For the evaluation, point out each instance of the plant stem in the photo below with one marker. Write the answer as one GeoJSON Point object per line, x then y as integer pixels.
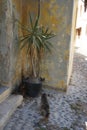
{"type": "Point", "coordinates": [38, 8]}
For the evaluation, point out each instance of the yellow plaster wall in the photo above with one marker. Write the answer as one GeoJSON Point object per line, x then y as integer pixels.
{"type": "Point", "coordinates": [57, 15]}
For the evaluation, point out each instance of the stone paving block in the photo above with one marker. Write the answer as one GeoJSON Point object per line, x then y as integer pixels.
{"type": "Point", "coordinates": [4, 93]}
{"type": "Point", "coordinates": [8, 107]}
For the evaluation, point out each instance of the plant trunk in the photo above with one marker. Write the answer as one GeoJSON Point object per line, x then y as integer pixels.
{"type": "Point", "coordinates": [34, 68]}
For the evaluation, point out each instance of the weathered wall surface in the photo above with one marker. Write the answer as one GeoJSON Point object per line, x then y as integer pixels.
{"type": "Point", "coordinates": [6, 37]}
{"type": "Point", "coordinates": [55, 14]}
{"type": "Point", "coordinates": [59, 18]}
{"type": "Point", "coordinates": [10, 67]}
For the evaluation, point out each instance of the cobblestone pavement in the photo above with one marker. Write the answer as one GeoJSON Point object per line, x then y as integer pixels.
{"type": "Point", "coordinates": [68, 111]}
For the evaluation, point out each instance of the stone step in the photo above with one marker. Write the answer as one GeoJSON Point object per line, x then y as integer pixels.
{"type": "Point", "coordinates": [4, 93]}
{"type": "Point", "coordinates": [8, 107]}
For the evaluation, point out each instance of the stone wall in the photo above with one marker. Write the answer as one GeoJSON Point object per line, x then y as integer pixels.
{"type": "Point", "coordinates": [55, 14]}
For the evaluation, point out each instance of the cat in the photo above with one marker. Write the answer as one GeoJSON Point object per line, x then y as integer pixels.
{"type": "Point", "coordinates": [44, 106]}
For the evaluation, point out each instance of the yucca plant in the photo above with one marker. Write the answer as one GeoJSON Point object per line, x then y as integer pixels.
{"type": "Point", "coordinates": [36, 41]}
